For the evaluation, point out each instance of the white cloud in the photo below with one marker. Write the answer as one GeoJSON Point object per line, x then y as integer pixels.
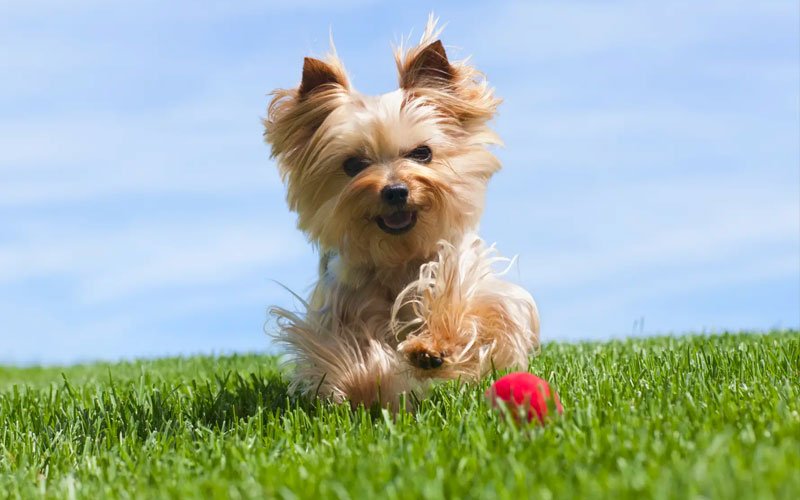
{"type": "Point", "coordinates": [207, 144]}
{"type": "Point", "coordinates": [585, 315]}
{"type": "Point", "coordinates": [225, 255]}
{"type": "Point", "coordinates": [181, 9]}
{"type": "Point", "coordinates": [117, 263]}
{"type": "Point", "coordinates": [647, 225]}
{"type": "Point", "coordinates": [537, 31]}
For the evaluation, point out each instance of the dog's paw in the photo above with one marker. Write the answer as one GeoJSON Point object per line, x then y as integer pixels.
{"type": "Point", "coordinates": [425, 360]}
{"type": "Point", "coordinates": [423, 354]}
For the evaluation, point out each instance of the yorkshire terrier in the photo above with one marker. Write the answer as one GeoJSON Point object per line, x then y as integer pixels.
{"type": "Point", "coordinates": [390, 189]}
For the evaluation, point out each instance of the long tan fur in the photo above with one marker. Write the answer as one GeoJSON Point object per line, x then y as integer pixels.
{"type": "Point", "coordinates": [394, 310]}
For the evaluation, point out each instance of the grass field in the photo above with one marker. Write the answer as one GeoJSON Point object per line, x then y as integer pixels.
{"type": "Point", "coordinates": [678, 417]}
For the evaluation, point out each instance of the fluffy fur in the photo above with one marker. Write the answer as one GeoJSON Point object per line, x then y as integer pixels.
{"type": "Point", "coordinates": [407, 292]}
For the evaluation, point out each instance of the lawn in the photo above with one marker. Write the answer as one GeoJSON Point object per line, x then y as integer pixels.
{"type": "Point", "coordinates": [691, 416]}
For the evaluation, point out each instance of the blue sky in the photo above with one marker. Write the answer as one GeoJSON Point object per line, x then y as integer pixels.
{"type": "Point", "coordinates": [651, 167]}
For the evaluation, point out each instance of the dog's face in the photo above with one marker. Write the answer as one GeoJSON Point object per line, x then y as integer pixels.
{"type": "Point", "coordinates": [381, 179]}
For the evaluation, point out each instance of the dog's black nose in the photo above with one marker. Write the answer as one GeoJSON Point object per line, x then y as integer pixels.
{"type": "Point", "coordinates": [395, 194]}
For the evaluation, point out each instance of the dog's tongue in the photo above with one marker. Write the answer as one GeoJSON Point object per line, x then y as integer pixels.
{"type": "Point", "coordinates": [397, 220]}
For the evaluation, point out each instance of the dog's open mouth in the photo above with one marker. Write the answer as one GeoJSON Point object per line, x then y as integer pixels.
{"type": "Point", "coordinates": [397, 222]}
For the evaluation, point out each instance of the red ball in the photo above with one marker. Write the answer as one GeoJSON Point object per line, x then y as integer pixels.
{"type": "Point", "coordinates": [520, 390]}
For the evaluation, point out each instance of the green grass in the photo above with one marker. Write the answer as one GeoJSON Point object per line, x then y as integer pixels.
{"type": "Point", "coordinates": [679, 417]}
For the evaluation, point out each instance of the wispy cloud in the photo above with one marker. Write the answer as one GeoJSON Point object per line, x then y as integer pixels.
{"type": "Point", "coordinates": [114, 263]}
{"type": "Point", "coordinates": [593, 261]}
{"type": "Point", "coordinates": [556, 30]}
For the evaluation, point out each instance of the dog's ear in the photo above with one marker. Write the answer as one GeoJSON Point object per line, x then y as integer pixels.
{"type": "Point", "coordinates": [456, 88]}
{"type": "Point", "coordinates": [319, 75]}
{"type": "Point", "coordinates": [426, 66]}
{"type": "Point", "coordinates": [295, 114]}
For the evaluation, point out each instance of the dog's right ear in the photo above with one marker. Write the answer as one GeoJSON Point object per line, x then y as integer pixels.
{"type": "Point", "coordinates": [319, 75]}
{"type": "Point", "coordinates": [294, 115]}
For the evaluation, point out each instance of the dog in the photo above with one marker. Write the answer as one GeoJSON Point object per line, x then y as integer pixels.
{"type": "Point", "coordinates": [390, 190]}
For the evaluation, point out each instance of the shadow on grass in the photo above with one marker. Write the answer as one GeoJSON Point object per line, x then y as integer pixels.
{"type": "Point", "coordinates": [233, 397]}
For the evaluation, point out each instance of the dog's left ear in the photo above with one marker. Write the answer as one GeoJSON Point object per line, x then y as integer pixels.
{"type": "Point", "coordinates": [457, 89]}
{"type": "Point", "coordinates": [426, 67]}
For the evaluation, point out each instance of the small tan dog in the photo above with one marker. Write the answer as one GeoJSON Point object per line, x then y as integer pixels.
{"type": "Point", "coordinates": [390, 189]}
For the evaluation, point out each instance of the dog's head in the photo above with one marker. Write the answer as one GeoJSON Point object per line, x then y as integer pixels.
{"type": "Point", "coordinates": [380, 179]}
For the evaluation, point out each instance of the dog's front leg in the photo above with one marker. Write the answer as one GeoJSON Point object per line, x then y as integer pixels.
{"type": "Point", "coordinates": [460, 318]}
{"type": "Point", "coordinates": [341, 348]}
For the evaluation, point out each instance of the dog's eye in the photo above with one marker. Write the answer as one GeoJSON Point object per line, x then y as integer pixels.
{"type": "Point", "coordinates": [353, 165]}
{"type": "Point", "coordinates": [421, 154]}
